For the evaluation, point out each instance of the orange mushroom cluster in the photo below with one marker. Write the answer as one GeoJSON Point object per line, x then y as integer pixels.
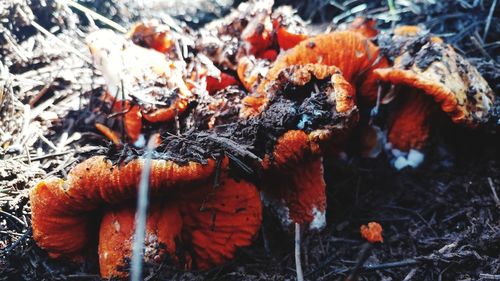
{"type": "Point", "coordinates": [314, 105]}
{"type": "Point", "coordinates": [211, 222]}
{"type": "Point", "coordinates": [430, 78]}
{"type": "Point", "coordinates": [355, 56]}
{"type": "Point", "coordinates": [276, 99]}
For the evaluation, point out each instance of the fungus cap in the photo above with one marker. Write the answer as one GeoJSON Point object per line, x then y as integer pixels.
{"type": "Point", "coordinates": [339, 92]}
{"type": "Point", "coordinates": [352, 53]}
{"type": "Point", "coordinates": [211, 220]}
{"type": "Point", "coordinates": [320, 105]}
{"type": "Point", "coordinates": [201, 227]}
{"type": "Point", "coordinates": [447, 77]}
{"type": "Point", "coordinates": [62, 210]}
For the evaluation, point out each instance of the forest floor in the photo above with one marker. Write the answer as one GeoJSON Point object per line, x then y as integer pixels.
{"type": "Point", "coordinates": [441, 221]}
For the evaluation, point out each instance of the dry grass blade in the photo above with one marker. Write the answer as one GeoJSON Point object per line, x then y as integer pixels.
{"type": "Point", "coordinates": [95, 15]}
{"type": "Point", "coordinates": [494, 192]}
{"type": "Point", "coordinates": [4, 83]}
{"type": "Point", "coordinates": [488, 20]}
{"type": "Point", "coordinates": [63, 44]}
{"type": "Point", "coordinates": [140, 217]}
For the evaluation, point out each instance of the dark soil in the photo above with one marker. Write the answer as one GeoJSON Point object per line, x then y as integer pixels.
{"type": "Point", "coordinates": [441, 221]}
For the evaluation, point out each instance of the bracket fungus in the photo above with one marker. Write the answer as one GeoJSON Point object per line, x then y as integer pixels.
{"type": "Point", "coordinates": [431, 77]}
{"type": "Point", "coordinates": [211, 222]}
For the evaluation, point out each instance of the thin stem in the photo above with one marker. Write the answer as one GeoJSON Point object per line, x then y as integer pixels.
{"type": "Point", "coordinates": [298, 265]}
